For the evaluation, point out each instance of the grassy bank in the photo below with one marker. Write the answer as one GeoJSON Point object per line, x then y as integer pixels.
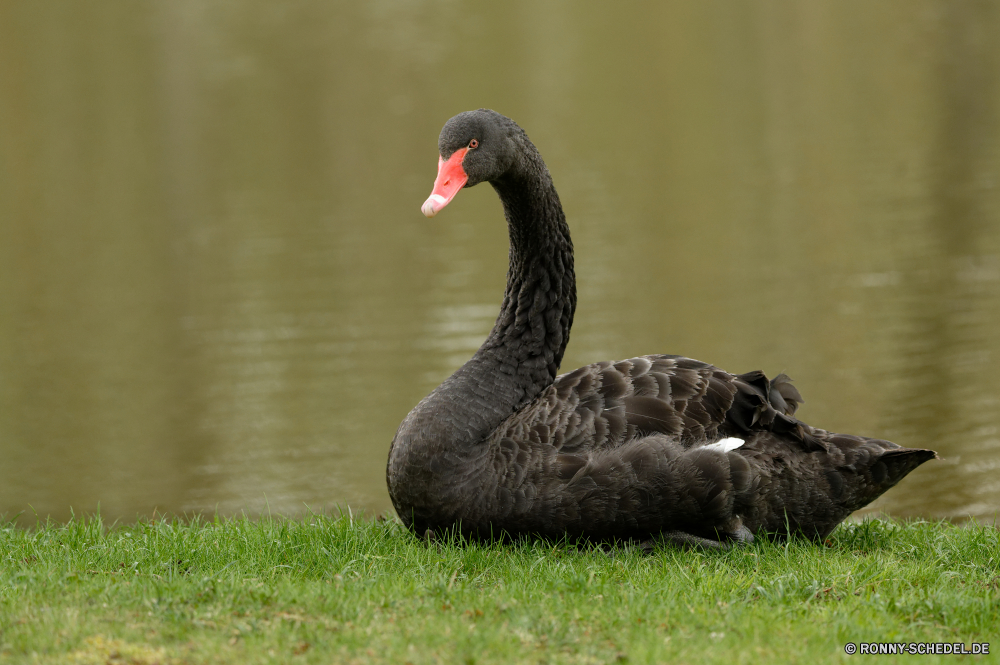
{"type": "Point", "coordinates": [331, 589]}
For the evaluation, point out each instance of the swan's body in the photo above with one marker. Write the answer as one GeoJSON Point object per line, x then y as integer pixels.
{"type": "Point", "coordinates": [656, 445]}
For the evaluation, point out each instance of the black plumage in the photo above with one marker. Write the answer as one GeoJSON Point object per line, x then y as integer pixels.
{"type": "Point", "coordinates": [613, 450]}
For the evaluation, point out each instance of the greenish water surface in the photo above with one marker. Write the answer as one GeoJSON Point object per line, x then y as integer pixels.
{"type": "Point", "coordinates": [217, 291]}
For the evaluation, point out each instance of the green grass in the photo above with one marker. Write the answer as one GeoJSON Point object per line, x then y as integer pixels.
{"type": "Point", "coordinates": [331, 589]}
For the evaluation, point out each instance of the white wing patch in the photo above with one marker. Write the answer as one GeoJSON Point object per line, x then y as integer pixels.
{"type": "Point", "coordinates": [725, 445]}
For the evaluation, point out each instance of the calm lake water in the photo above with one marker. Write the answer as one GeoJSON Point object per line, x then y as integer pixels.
{"type": "Point", "coordinates": [217, 291]}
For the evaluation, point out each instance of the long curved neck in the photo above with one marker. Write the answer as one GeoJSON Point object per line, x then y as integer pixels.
{"type": "Point", "coordinates": [532, 330]}
{"type": "Point", "coordinates": [521, 356]}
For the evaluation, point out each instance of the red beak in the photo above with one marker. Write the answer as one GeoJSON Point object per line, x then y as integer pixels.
{"type": "Point", "coordinates": [451, 178]}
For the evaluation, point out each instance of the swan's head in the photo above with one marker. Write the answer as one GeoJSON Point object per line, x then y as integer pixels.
{"type": "Point", "coordinates": [475, 147]}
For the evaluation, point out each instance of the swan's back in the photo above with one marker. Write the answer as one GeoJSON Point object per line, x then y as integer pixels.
{"type": "Point", "coordinates": [629, 449]}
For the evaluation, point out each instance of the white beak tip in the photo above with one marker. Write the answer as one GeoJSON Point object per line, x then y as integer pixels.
{"type": "Point", "coordinates": [433, 205]}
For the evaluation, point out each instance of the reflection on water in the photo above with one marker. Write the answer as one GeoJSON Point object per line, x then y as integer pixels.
{"type": "Point", "coordinates": [217, 290]}
{"type": "Point", "coordinates": [454, 334]}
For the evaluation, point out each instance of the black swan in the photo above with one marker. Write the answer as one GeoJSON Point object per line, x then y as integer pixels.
{"type": "Point", "coordinates": [659, 446]}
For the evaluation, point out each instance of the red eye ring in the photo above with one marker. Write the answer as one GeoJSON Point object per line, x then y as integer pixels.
{"type": "Point", "coordinates": [473, 144]}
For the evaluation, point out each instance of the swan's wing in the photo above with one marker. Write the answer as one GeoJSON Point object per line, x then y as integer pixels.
{"type": "Point", "coordinates": [604, 405]}
{"type": "Point", "coordinates": [662, 442]}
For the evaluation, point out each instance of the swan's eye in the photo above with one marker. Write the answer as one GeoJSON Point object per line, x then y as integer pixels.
{"type": "Point", "coordinates": [473, 144]}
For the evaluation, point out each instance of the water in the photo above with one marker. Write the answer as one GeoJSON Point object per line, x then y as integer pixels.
{"type": "Point", "coordinates": [217, 291]}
